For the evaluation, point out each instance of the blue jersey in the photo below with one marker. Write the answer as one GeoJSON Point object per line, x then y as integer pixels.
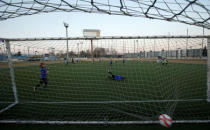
{"type": "Point", "coordinates": [110, 62]}
{"type": "Point", "coordinates": [43, 73]}
{"type": "Point", "coordinates": [123, 60]}
{"type": "Point", "coordinates": [117, 77]}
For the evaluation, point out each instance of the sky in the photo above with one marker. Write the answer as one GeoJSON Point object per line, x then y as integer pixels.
{"type": "Point", "coordinates": [51, 25]}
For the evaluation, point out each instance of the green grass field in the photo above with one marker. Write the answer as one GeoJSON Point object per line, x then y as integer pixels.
{"type": "Point", "coordinates": [82, 91]}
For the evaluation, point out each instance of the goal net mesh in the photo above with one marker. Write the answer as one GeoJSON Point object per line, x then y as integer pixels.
{"type": "Point", "coordinates": [193, 12]}
{"type": "Point", "coordinates": [83, 90]}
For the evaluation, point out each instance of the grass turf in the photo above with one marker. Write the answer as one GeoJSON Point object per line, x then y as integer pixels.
{"type": "Point", "coordinates": [88, 82]}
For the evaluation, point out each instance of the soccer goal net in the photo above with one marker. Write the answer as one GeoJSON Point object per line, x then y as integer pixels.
{"type": "Point", "coordinates": [192, 12]}
{"type": "Point", "coordinates": [104, 80]}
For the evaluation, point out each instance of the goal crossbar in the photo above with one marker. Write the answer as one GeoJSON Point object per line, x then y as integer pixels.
{"type": "Point", "coordinates": [110, 102]}
{"type": "Point", "coordinates": [105, 37]}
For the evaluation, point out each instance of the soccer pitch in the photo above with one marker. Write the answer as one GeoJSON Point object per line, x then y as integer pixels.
{"type": "Point", "coordinates": [82, 92]}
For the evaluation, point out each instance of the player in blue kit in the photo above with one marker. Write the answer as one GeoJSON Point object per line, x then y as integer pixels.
{"type": "Point", "coordinates": [110, 63]}
{"type": "Point", "coordinates": [43, 80]}
{"type": "Point", "coordinates": [123, 61]}
{"type": "Point", "coordinates": [115, 77]}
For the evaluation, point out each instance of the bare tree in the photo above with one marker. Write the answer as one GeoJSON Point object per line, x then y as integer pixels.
{"type": "Point", "coordinates": [18, 54]}
{"type": "Point", "coordinates": [99, 52]}
{"type": "Point", "coordinates": [61, 54]}
{"type": "Point", "coordinates": [72, 54]}
{"type": "Point", "coordinates": [204, 52]}
{"type": "Point", "coordinates": [52, 51]}
{"type": "Point", "coordinates": [85, 53]}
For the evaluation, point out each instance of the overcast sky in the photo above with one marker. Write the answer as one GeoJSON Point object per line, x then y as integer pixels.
{"type": "Point", "coordinates": [51, 25]}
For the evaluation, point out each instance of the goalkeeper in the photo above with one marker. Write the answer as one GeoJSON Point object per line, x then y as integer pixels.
{"type": "Point", "coordinates": [164, 61]}
{"type": "Point", "coordinates": [115, 77]}
{"type": "Point", "coordinates": [43, 80]}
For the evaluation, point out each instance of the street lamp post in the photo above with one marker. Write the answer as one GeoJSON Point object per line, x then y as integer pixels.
{"type": "Point", "coordinates": [187, 44]}
{"type": "Point", "coordinates": [154, 47]}
{"type": "Point", "coordinates": [78, 51]}
{"type": "Point", "coordinates": [123, 49]}
{"type": "Point", "coordinates": [201, 50]}
{"type": "Point", "coordinates": [144, 49]}
{"type": "Point", "coordinates": [24, 51]}
{"type": "Point", "coordinates": [134, 48]}
{"type": "Point", "coordinates": [67, 45]}
{"type": "Point", "coordinates": [138, 50]}
{"type": "Point", "coordinates": [78, 54]}
{"type": "Point", "coordinates": [168, 46]}
{"type": "Point", "coordinates": [28, 51]}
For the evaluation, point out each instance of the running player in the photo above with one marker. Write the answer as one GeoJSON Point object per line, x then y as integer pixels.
{"type": "Point", "coordinates": [43, 79]}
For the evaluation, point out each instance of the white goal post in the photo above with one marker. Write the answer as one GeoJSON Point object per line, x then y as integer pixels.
{"type": "Point", "coordinates": [208, 68]}
{"type": "Point", "coordinates": [12, 77]}
{"type": "Point", "coordinates": [81, 93]}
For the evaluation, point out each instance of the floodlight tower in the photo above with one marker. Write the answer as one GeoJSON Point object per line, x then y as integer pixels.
{"type": "Point", "coordinates": [187, 45]}
{"type": "Point", "coordinates": [67, 45]}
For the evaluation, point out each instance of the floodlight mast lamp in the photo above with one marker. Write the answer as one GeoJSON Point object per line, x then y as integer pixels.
{"type": "Point", "coordinates": [67, 44]}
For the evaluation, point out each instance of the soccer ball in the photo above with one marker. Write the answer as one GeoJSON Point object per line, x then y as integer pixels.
{"type": "Point", "coordinates": [165, 120]}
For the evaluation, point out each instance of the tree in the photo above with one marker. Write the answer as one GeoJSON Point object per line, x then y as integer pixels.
{"type": "Point", "coordinates": [85, 53]}
{"type": "Point", "coordinates": [114, 52]}
{"type": "Point", "coordinates": [99, 52]}
{"type": "Point", "coordinates": [61, 54]}
{"type": "Point", "coordinates": [88, 54]}
{"type": "Point", "coordinates": [204, 52]}
{"type": "Point", "coordinates": [52, 51]}
{"type": "Point", "coordinates": [82, 54]}
{"type": "Point", "coordinates": [18, 54]}
{"type": "Point", "coordinates": [72, 54]}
